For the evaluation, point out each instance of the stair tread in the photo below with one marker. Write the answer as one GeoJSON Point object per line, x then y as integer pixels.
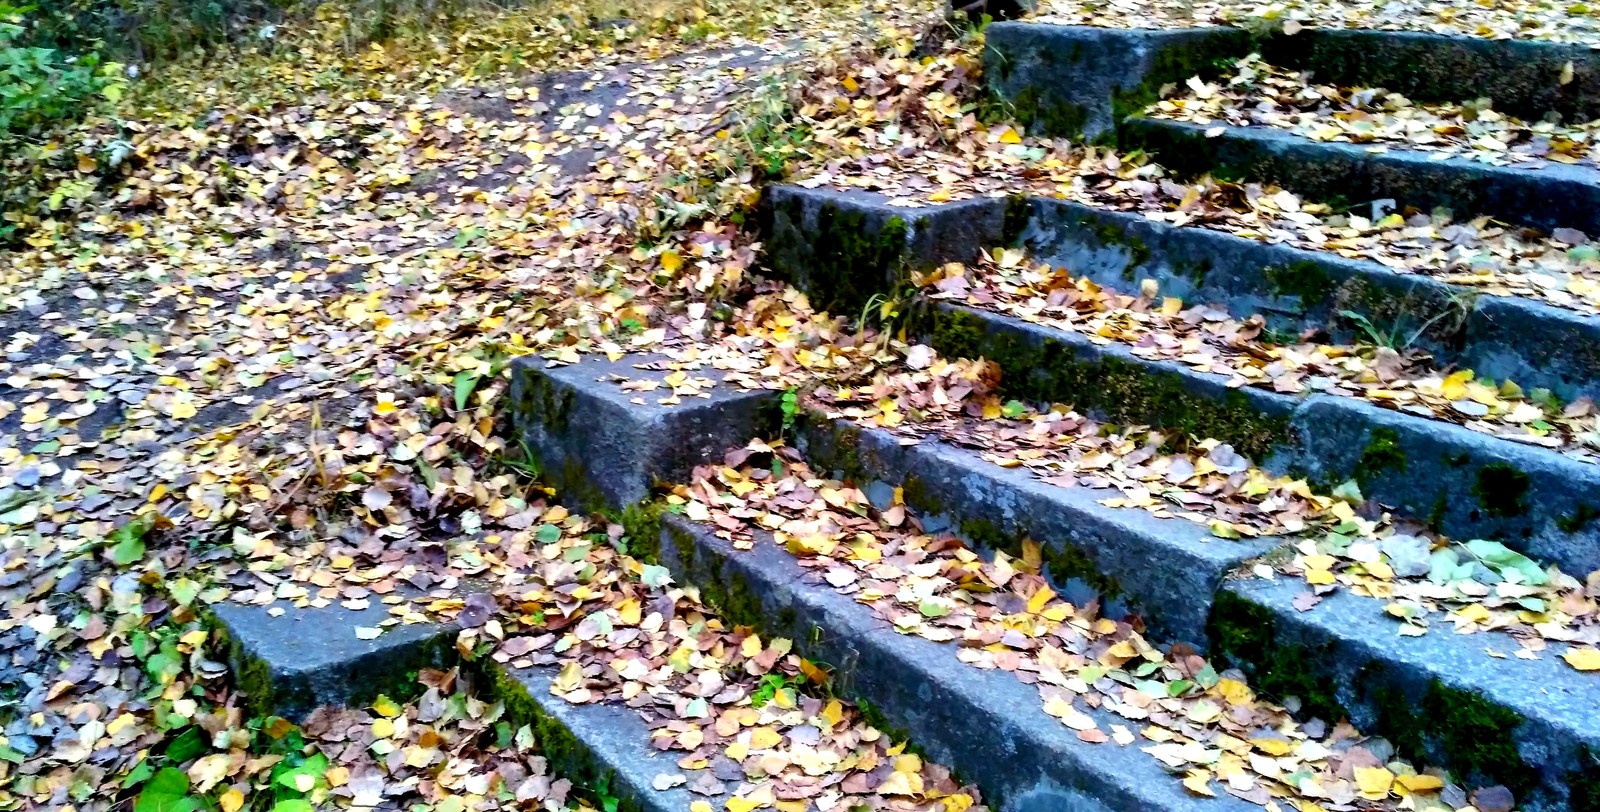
{"type": "Point", "coordinates": [1543, 689]}
{"type": "Point", "coordinates": [1548, 197]}
{"type": "Point", "coordinates": [1038, 761]}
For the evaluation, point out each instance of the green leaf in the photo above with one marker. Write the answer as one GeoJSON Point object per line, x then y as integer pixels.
{"type": "Point", "coordinates": [548, 534]}
{"type": "Point", "coordinates": [464, 384]}
{"type": "Point", "coordinates": [127, 541]}
{"type": "Point", "coordinates": [1014, 409]}
{"type": "Point", "coordinates": [184, 591]}
{"type": "Point", "coordinates": [167, 791]}
{"type": "Point", "coordinates": [189, 744]}
{"type": "Point", "coordinates": [293, 805]}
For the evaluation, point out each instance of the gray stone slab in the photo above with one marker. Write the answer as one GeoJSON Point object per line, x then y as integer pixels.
{"type": "Point", "coordinates": [1080, 81]}
{"type": "Point", "coordinates": [1549, 197]}
{"type": "Point", "coordinates": [1528, 724]}
{"type": "Point", "coordinates": [304, 658]}
{"type": "Point", "coordinates": [1051, 365]}
{"type": "Point", "coordinates": [1504, 338]}
{"type": "Point", "coordinates": [986, 725]}
{"type": "Point", "coordinates": [842, 248]}
{"type": "Point", "coordinates": [599, 744]}
{"type": "Point", "coordinates": [1522, 77]}
{"type": "Point", "coordinates": [603, 447]}
{"type": "Point", "coordinates": [1126, 558]}
{"type": "Point", "coordinates": [1468, 484]}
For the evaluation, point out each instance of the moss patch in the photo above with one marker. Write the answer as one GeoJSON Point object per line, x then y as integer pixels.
{"type": "Point", "coordinates": [854, 256]}
{"type": "Point", "coordinates": [1502, 490]}
{"type": "Point", "coordinates": [1244, 635]}
{"type": "Point", "coordinates": [1383, 455]}
{"type": "Point", "coordinates": [1579, 519]}
{"type": "Point", "coordinates": [1476, 736]}
{"type": "Point", "coordinates": [568, 756]}
{"type": "Point", "coordinates": [1122, 390]}
{"type": "Point", "coordinates": [1308, 281]}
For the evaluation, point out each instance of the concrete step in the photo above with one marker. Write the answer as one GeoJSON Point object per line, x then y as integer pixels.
{"type": "Point", "coordinates": [1466, 483]}
{"type": "Point", "coordinates": [1501, 337]}
{"type": "Point", "coordinates": [1079, 81]}
{"type": "Point", "coordinates": [984, 724]}
{"type": "Point", "coordinates": [1545, 198]}
{"type": "Point", "coordinates": [1342, 658]}
{"type": "Point", "coordinates": [1489, 720]}
{"type": "Point", "coordinates": [305, 657]}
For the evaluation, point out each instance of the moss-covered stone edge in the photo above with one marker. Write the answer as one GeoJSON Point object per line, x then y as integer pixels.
{"type": "Point", "coordinates": [835, 445]}
{"type": "Point", "coordinates": [1474, 738]}
{"type": "Point", "coordinates": [1112, 388]}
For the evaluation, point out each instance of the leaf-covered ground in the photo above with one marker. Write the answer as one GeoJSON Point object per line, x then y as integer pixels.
{"type": "Point", "coordinates": [256, 320]}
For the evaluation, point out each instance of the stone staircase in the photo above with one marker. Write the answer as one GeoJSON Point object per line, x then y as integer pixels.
{"type": "Point", "coordinates": [1454, 702]}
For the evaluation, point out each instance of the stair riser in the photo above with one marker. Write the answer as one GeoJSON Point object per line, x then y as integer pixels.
{"type": "Point", "coordinates": [1077, 81]}
{"type": "Point", "coordinates": [602, 451]}
{"type": "Point", "coordinates": [1499, 337]}
{"type": "Point", "coordinates": [1554, 197]}
{"type": "Point", "coordinates": [1440, 699]}
{"type": "Point", "coordinates": [1503, 338]}
{"type": "Point", "coordinates": [843, 248]}
{"type": "Point", "coordinates": [1522, 77]}
{"type": "Point", "coordinates": [1467, 484]}
{"type": "Point", "coordinates": [1131, 560]}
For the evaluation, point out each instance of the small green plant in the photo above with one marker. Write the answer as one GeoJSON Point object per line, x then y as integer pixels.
{"type": "Point", "coordinates": [41, 86]}
{"type": "Point", "coordinates": [1397, 336]}
{"type": "Point", "coordinates": [790, 404]}
{"type": "Point", "coordinates": [771, 684]}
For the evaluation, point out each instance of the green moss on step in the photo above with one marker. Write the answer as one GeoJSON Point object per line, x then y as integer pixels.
{"type": "Point", "coordinates": [1583, 784]}
{"type": "Point", "coordinates": [642, 525]}
{"type": "Point", "coordinates": [1308, 281]}
{"type": "Point", "coordinates": [1244, 635]}
{"type": "Point", "coordinates": [853, 257]}
{"type": "Point", "coordinates": [1502, 490]}
{"type": "Point", "coordinates": [1117, 389]}
{"type": "Point", "coordinates": [1019, 211]}
{"type": "Point", "coordinates": [1047, 116]}
{"type": "Point", "coordinates": [1383, 455]}
{"type": "Point", "coordinates": [568, 756]}
{"type": "Point", "coordinates": [1579, 519]}
{"type": "Point", "coordinates": [1476, 736]}
{"type": "Point", "coordinates": [729, 592]}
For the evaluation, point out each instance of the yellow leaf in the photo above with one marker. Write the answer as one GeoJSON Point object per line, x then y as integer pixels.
{"type": "Point", "coordinates": [738, 804]}
{"type": "Point", "coordinates": [850, 84]}
{"type": "Point", "coordinates": [1454, 386]}
{"type": "Point", "coordinates": [1374, 782]}
{"type": "Point", "coordinates": [1199, 783]}
{"type": "Point", "coordinates": [764, 738]}
{"type": "Point", "coordinates": [1010, 137]}
{"type": "Point", "coordinates": [1171, 305]}
{"type": "Point", "coordinates": [386, 706]}
{"type": "Point", "coordinates": [1235, 692]}
{"type": "Point", "coordinates": [1272, 746]}
{"type": "Point", "coordinates": [1583, 659]}
{"type": "Point", "coordinates": [382, 728]}
{"type": "Point", "coordinates": [1474, 613]}
{"type": "Point", "coordinates": [1419, 783]}
{"type": "Point", "coordinates": [670, 261]}
{"type": "Point", "coordinates": [232, 800]}
{"type": "Point", "coordinates": [833, 712]}
{"type": "Point", "coordinates": [1040, 598]}
{"type": "Point", "coordinates": [959, 802]}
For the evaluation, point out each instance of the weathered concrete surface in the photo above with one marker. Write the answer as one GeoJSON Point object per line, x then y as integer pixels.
{"type": "Point", "coordinates": [1500, 337]}
{"type": "Point", "coordinates": [1522, 77]}
{"type": "Point", "coordinates": [308, 657]}
{"type": "Point", "coordinates": [844, 247]}
{"type": "Point", "coordinates": [1468, 484]}
{"type": "Point", "coordinates": [986, 725]}
{"type": "Point", "coordinates": [1528, 724]}
{"type": "Point", "coordinates": [594, 745]}
{"type": "Point", "coordinates": [1080, 82]}
{"type": "Point", "coordinates": [603, 447]}
{"type": "Point", "coordinates": [1549, 197]}
{"type": "Point", "coordinates": [1127, 559]}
